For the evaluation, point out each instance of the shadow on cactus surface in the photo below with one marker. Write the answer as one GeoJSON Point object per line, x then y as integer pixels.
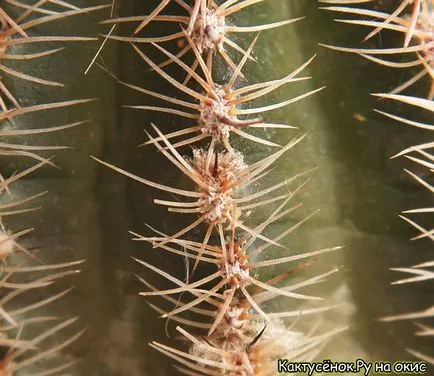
{"type": "Point", "coordinates": [248, 198]}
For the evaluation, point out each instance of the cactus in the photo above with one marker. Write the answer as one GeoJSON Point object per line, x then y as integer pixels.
{"type": "Point", "coordinates": [250, 176]}
{"type": "Point", "coordinates": [34, 338]}
{"type": "Point", "coordinates": [242, 338]}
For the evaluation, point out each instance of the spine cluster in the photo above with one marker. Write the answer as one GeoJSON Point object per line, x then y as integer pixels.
{"type": "Point", "coordinates": [224, 316]}
{"type": "Point", "coordinates": [413, 22]}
